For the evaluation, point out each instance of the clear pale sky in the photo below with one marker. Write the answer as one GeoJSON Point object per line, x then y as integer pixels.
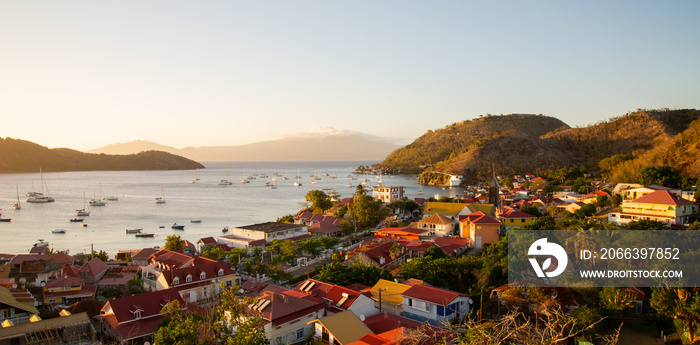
{"type": "Point", "coordinates": [84, 74]}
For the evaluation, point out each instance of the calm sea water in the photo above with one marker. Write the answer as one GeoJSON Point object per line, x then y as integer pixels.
{"type": "Point", "coordinates": [217, 206]}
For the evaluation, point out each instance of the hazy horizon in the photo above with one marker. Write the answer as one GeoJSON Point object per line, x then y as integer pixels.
{"type": "Point", "coordinates": [86, 74]}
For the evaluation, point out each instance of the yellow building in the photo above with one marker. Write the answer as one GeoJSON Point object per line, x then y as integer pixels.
{"type": "Point", "coordinates": [515, 218]}
{"type": "Point", "coordinates": [67, 290]}
{"type": "Point", "coordinates": [660, 206]}
{"type": "Point", "coordinates": [389, 293]}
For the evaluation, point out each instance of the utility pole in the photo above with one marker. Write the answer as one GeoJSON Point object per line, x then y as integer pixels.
{"type": "Point", "coordinates": [481, 303]}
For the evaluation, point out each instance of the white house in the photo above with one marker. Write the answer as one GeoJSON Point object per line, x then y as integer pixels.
{"type": "Point", "coordinates": [430, 304]}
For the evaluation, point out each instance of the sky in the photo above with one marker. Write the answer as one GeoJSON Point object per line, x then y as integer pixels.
{"type": "Point", "coordinates": [83, 74]}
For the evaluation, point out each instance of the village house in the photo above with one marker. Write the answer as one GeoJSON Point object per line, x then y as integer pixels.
{"type": "Point", "coordinates": [328, 227]}
{"type": "Point", "coordinates": [338, 298]}
{"type": "Point", "coordinates": [436, 306]}
{"type": "Point", "coordinates": [480, 229]}
{"type": "Point", "coordinates": [387, 194]}
{"type": "Point", "coordinates": [286, 314]}
{"type": "Point", "coordinates": [452, 246]}
{"type": "Point", "coordinates": [67, 290]}
{"type": "Point", "coordinates": [262, 234]}
{"type": "Point", "coordinates": [659, 205]}
{"type": "Point", "coordinates": [391, 329]}
{"type": "Point", "coordinates": [405, 233]}
{"type": "Point", "coordinates": [377, 253]}
{"type": "Point", "coordinates": [93, 271]}
{"type": "Point", "coordinates": [514, 219]}
{"type": "Point", "coordinates": [388, 296]}
{"type": "Point", "coordinates": [199, 284]}
{"type": "Point", "coordinates": [342, 328]}
{"type": "Point", "coordinates": [636, 193]}
{"type": "Point", "coordinates": [136, 318]}
{"type": "Point", "coordinates": [437, 225]}
{"type": "Point", "coordinates": [67, 329]}
{"type": "Point", "coordinates": [16, 306]}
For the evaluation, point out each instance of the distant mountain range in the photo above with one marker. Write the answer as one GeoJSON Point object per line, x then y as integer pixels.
{"type": "Point", "coordinates": [332, 145]}
{"type": "Point", "coordinates": [26, 156]}
{"type": "Point", "coordinates": [519, 143]}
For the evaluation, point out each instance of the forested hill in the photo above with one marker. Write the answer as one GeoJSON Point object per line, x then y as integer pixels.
{"type": "Point", "coordinates": [24, 156]}
{"type": "Point", "coordinates": [445, 146]}
{"type": "Point", "coordinates": [618, 147]}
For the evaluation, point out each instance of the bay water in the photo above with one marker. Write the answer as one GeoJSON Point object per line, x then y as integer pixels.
{"type": "Point", "coordinates": [215, 205]}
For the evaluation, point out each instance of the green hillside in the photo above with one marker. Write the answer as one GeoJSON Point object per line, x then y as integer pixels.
{"type": "Point", "coordinates": [25, 156]}
{"type": "Point", "coordinates": [461, 138]}
{"type": "Point", "coordinates": [516, 144]}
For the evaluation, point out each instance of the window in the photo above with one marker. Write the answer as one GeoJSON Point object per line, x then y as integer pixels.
{"type": "Point", "coordinates": [410, 302]}
{"type": "Point", "coordinates": [203, 276]}
{"type": "Point", "coordinates": [137, 314]}
{"type": "Point", "coordinates": [300, 333]}
{"type": "Point", "coordinates": [295, 321]}
{"type": "Point", "coordinates": [176, 281]}
{"type": "Point", "coordinates": [221, 271]}
{"type": "Point", "coordinates": [188, 278]}
{"type": "Point", "coordinates": [427, 307]}
{"type": "Point", "coordinates": [310, 315]}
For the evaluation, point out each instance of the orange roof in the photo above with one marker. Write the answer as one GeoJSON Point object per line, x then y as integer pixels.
{"type": "Point", "coordinates": [661, 197]}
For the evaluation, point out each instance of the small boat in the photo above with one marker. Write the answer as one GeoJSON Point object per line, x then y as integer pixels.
{"type": "Point", "coordinates": [195, 220]}
{"type": "Point", "coordinates": [17, 205]}
{"type": "Point", "coordinates": [225, 229]}
{"type": "Point", "coordinates": [84, 225]}
{"type": "Point", "coordinates": [134, 230]}
{"type": "Point", "coordinates": [83, 212]}
{"type": "Point", "coordinates": [161, 227]}
{"type": "Point", "coordinates": [161, 198]}
{"type": "Point", "coordinates": [76, 220]}
{"type": "Point", "coordinates": [41, 243]}
{"type": "Point", "coordinates": [145, 234]}
{"type": "Point", "coordinates": [59, 231]}
{"type": "Point", "coordinates": [225, 182]}
{"type": "Point", "coordinates": [272, 186]}
{"type": "Point", "coordinates": [297, 184]}
{"type": "Point", "coordinates": [40, 198]}
{"type": "Point", "coordinates": [95, 202]}
{"type": "Point", "coordinates": [178, 227]}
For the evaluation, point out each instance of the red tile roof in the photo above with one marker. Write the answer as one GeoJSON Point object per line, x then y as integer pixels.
{"type": "Point", "coordinates": [207, 240]}
{"type": "Point", "coordinates": [432, 294]}
{"type": "Point", "coordinates": [143, 254]}
{"type": "Point", "coordinates": [150, 303]}
{"type": "Point", "coordinates": [479, 218]}
{"type": "Point", "coordinates": [94, 268]}
{"type": "Point", "coordinates": [401, 231]}
{"type": "Point", "coordinates": [662, 197]}
{"type": "Point", "coordinates": [517, 215]}
{"type": "Point", "coordinates": [384, 323]}
{"type": "Point", "coordinates": [211, 270]}
{"type": "Point", "coordinates": [325, 227]}
{"type": "Point", "coordinates": [64, 282]}
{"type": "Point", "coordinates": [286, 306]}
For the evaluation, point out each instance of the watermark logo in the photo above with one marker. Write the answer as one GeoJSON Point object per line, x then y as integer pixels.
{"type": "Point", "coordinates": [542, 247]}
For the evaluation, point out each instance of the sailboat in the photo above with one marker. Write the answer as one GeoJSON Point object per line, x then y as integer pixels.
{"type": "Point", "coordinates": [17, 205]}
{"type": "Point", "coordinates": [96, 201]}
{"type": "Point", "coordinates": [196, 177]}
{"type": "Point", "coordinates": [83, 212]}
{"type": "Point", "coordinates": [161, 198]}
{"type": "Point", "coordinates": [39, 197]}
{"type": "Point", "coordinates": [420, 191]}
{"type": "Point", "coordinates": [225, 182]}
